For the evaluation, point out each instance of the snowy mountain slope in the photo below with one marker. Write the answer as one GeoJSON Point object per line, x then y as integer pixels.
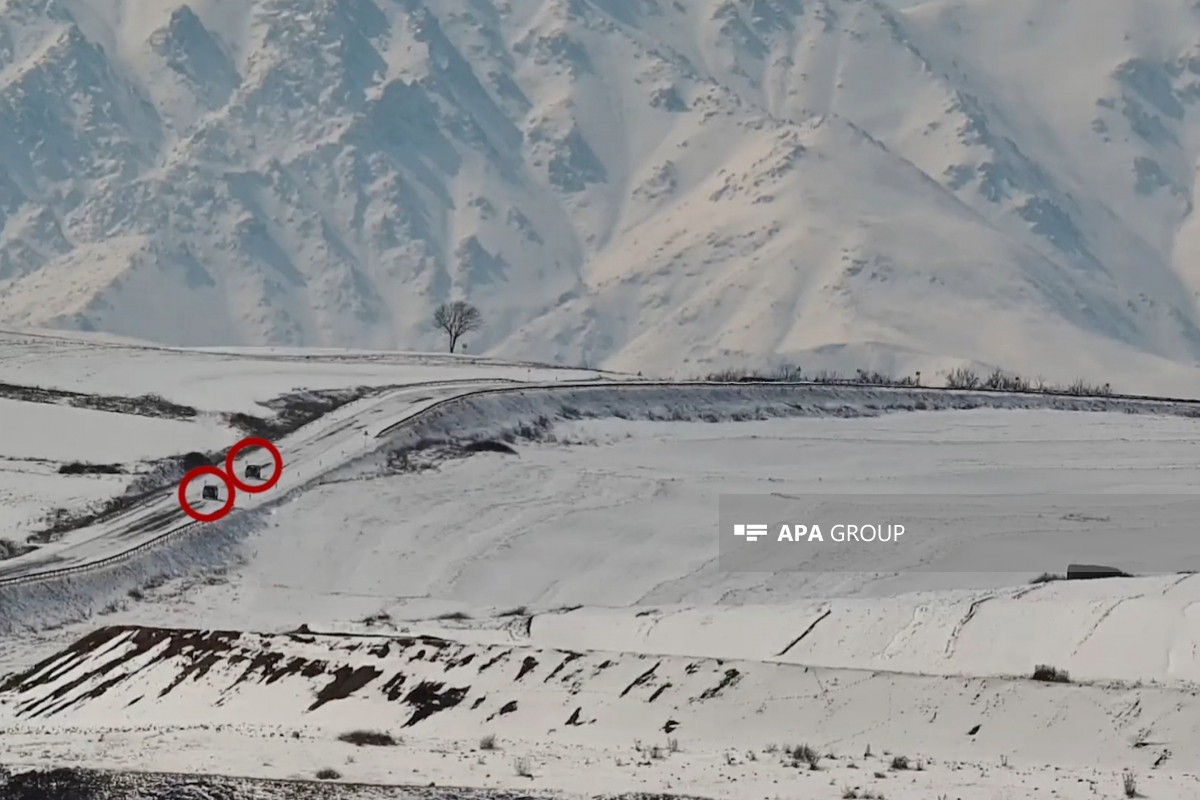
{"type": "Point", "coordinates": [435, 693]}
{"type": "Point", "coordinates": [432, 685]}
{"type": "Point", "coordinates": [647, 184]}
{"type": "Point", "coordinates": [485, 533]}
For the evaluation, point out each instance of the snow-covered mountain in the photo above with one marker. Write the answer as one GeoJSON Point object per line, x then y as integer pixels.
{"type": "Point", "coordinates": [646, 184]}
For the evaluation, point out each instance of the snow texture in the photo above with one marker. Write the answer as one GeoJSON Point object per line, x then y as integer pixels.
{"type": "Point", "coordinates": [644, 184]}
{"type": "Point", "coordinates": [411, 576]}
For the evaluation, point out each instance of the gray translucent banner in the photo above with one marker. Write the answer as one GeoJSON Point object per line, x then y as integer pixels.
{"type": "Point", "coordinates": [1136, 533]}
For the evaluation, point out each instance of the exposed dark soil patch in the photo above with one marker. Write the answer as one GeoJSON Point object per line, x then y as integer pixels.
{"type": "Point", "coordinates": [570, 657]}
{"type": "Point", "coordinates": [369, 739]}
{"type": "Point", "coordinates": [394, 687]}
{"type": "Point", "coordinates": [10, 549]}
{"type": "Point", "coordinates": [84, 468]}
{"type": "Point", "coordinates": [508, 708]}
{"type": "Point", "coordinates": [200, 646]}
{"type": "Point", "coordinates": [496, 659]}
{"type": "Point", "coordinates": [730, 678]}
{"type": "Point", "coordinates": [527, 665]}
{"type": "Point", "coordinates": [292, 411]}
{"type": "Point", "coordinates": [81, 784]}
{"type": "Point", "coordinates": [190, 461]}
{"type": "Point", "coordinates": [430, 697]}
{"type": "Point", "coordinates": [147, 405]}
{"type": "Point", "coordinates": [489, 447]}
{"type": "Point", "coordinates": [346, 681]}
{"type": "Point", "coordinates": [644, 678]}
{"type": "Point", "coordinates": [426, 455]}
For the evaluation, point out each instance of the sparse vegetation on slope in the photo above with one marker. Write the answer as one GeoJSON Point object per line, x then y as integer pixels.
{"type": "Point", "coordinates": [369, 738]}
{"type": "Point", "coordinates": [292, 411]}
{"type": "Point", "coordinates": [1049, 674]}
{"type": "Point", "coordinates": [958, 378]}
{"type": "Point", "coordinates": [73, 783]}
{"type": "Point", "coordinates": [11, 549]}
{"type": "Point", "coordinates": [148, 405]}
{"type": "Point", "coordinates": [82, 468]}
{"type": "Point", "coordinates": [297, 409]}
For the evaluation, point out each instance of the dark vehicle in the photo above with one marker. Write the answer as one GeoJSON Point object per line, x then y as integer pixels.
{"type": "Point", "coordinates": [254, 471]}
{"type": "Point", "coordinates": [210, 493]}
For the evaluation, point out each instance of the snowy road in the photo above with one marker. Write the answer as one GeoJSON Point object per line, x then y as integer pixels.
{"type": "Point", "coordinates": [353, 431]}
{"type": "Point", "coordinates": [334, 439]}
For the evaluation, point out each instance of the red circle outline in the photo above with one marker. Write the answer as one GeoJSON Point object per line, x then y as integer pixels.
{"type": "Point", "coordinates": [193, 513]}
{"type": "Point", "coordinates": [253, 441]}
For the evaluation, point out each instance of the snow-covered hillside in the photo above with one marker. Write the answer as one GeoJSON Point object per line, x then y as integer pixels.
{"type": "Point", "coordinates": [461, 547]}
{"type": "Point", "coordinates": [91, 426]}
{"type": "Point", "coordinates": [588, 720]}
{"type": "Point", "coordinates": [565, 599]}
{"type": "Point", "coordinates": [647, 184]}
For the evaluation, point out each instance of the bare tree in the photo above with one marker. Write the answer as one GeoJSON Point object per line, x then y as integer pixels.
{"type": "Point", "coordinates": [456, 319]}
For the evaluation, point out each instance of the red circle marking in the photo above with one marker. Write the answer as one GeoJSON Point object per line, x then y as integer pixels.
{"type": "Point", "coordinates": [193, 513]}
{"type": "Point", "coordinates": [254, 441]}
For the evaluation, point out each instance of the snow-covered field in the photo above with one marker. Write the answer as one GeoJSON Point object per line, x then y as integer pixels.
{"type": "Point", "coordinates": [623, 513]}
{"type": "Point", "coordinates": [48, 432]}
{"type": "Point", "coordinates": [566, 598]}
{"type": "Point", "coordinates": [237, 379]}
{"type": "Point", "coordinates": [41, 437]}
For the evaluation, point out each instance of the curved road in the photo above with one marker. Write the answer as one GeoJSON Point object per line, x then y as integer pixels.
{"type": "Point", "coordinates": [324, 444]}
{"type": "Point", "coordinates": [353, 431]}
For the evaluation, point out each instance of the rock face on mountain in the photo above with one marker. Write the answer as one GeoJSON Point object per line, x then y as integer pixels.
{"type": "Point", "coordinates": [639, 183]}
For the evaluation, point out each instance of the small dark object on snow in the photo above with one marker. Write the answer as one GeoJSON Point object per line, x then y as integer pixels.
{"type": "Point", "coordinates": [490, 446]}
{"type": "Point", "coordinates": [254, 471]}
{"type": "Point", "coordinates": [210, 493]}
{"type": "Point", "coordinates": [1088, 571]}
{"type": "Point", "coordinates": [193, 460]}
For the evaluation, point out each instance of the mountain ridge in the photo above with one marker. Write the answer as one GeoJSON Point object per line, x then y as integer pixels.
{"type": "Point", "coordinates": [635, 184]}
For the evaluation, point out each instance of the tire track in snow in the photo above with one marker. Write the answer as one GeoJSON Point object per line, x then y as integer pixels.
{"type": "Point", "coordinates": [962, 623]}
{"type": "Point", "coordinates": [1100, 621]}
{"type": "Point", "coordinates": [974, 608]}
